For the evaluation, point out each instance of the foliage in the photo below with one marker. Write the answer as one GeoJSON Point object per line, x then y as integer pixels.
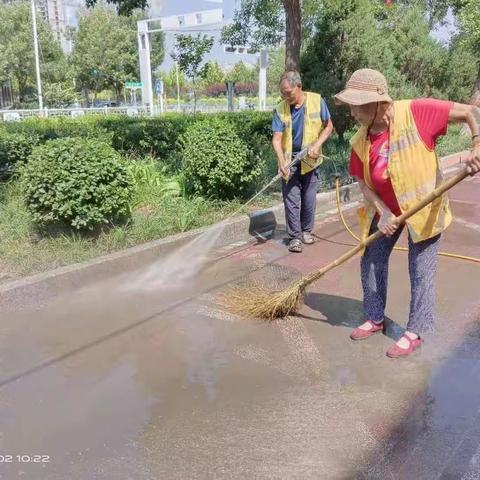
{"type": "Point", "coordinates": [156, 136]}
{"type": "Point", "coordinates": [241, 73]}
{"type": "Point", "coordinates": [81, 183]}
{"type": "Point", "coordinates": [124, 7]}
{"type": "Point", "coordinates": [188, 53]}
{"type": "Point", "coordinates": [105, 51]}
{"type": "Point", "coordinates": [275, 69]}
{"type": "Point", "coordinates": [15, 148]}
{"type": "Point", "coordinates": [212, 74]}
{"type": "Point", "coordinates": [400, 46]}
{"type": "Point", "coordinates": [265, 23]}
{"type": "Point", "coordinates": [17, 54]}
{"type": "Point", "coordinates": [59, 95]}
{"type": "Point", "coordinates": [148, 173]}
{"type": "Point", "coordinates": [216, 162]}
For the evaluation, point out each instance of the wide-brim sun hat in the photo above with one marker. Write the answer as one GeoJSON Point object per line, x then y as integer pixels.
{"type": "Point", "coordinates": [364, 86]}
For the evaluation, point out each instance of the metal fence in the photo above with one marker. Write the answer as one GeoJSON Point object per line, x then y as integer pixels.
{"type": "Point", "coordinates": [130, 111]}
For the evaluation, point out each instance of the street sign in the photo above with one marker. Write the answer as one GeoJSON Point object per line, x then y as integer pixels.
{"type": "Point", "coordinates": [159, 87]}
{"type": "Point", "coordinates": [133, 84]}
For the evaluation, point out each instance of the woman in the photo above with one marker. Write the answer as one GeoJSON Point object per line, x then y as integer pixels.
{"type": "Point", "coordinates": [393, 157]}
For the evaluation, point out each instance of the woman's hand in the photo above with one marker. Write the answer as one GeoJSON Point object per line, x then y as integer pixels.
{"type": "Point", "coordinates": [387, 223]}
{"type": "Point", "coordinates": [473, 162]}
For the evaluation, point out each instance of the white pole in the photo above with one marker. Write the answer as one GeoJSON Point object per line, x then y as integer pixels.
{"type": "Point", "coordinates": [160, 98]}
{"type": "Point", "coordinates": [178, 87]}
{"type": "Point", "coordinates": [37, 60]}
{"type": "Point", "coordinates": [262, 81]}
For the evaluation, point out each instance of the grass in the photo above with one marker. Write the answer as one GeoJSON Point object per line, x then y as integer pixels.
{"type": "Point", "coordinates": [24, 250]}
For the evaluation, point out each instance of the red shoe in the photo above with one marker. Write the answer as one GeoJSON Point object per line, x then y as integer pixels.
{"type": "Point", "coordinates": [396, 352]}
{"type": "Point", "coordinates": [360, 334]}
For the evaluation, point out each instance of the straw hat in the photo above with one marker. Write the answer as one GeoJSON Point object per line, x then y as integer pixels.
{"type": "Point", "coordinates": [364, 86]}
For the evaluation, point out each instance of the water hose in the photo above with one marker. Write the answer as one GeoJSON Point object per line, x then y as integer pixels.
{"type": "Point", "coordinates": [398, 249]}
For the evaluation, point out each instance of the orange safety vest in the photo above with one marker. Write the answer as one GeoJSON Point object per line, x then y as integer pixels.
{"type": "Point", "coordinates": [414, 171]}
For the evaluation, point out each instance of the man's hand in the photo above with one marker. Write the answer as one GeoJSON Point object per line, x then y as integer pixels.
{"type": "Point", "coordinates": [386, 223]}
{"type": "Point", "coordinates": [314, 150]}
{"type": "Point", "coordinates": [473, 162]}
{"type": "Point", "coordinates": [283, 171]}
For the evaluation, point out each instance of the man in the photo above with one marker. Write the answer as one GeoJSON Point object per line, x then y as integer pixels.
{"type": "Point", "coordinates": [300, 120]}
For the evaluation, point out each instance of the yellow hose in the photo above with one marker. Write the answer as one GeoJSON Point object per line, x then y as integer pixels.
{"type": "Point", "coordinates": [399, 249]}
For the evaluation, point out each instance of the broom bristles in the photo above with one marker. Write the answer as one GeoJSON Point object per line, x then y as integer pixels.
{"type": "Point", "coordinates": [256, 301]}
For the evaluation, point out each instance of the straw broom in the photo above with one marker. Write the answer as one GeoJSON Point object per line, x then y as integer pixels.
{"type": "Point", "coordinates": [256, 301]}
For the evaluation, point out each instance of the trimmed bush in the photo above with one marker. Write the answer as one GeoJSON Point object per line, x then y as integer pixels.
{"type": "Point", "coordinates": [15, 148]}
{"type": "Point", "coordinates": [216, 161]}
{"type": "Point", "coordinates": [81, 183]}
{"type": "Point", "coordinates": [157, 136]}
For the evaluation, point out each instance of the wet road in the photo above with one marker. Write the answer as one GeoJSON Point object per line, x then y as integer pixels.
{"type": "Point", "coordinates": [116, 383]}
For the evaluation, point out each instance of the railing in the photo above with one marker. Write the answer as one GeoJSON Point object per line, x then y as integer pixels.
{"type": "Point", "coordinates": [131, 111]}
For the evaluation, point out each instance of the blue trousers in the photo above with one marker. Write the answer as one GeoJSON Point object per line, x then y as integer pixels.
{"type": "Point", "coordinates": [422, 267]}
{"type": "Point", "coordinates": [300, 201]}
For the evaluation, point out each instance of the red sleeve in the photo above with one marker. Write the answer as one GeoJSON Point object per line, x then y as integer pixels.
{"type": "Point", "coordinates": [431, 118]}
{"type": "Point", "coordinates": [356, 166]}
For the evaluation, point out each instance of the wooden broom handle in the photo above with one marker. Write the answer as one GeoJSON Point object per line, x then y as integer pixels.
{"type": "Point", "coordinates": [439, 191]}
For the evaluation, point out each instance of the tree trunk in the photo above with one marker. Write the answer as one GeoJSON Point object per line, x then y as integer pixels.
{"type": "Point", "coordinates": [118, 93]}
{"type": "Point", "coordinates": [293, 22]}
{"type": "Point", "coordinates": [194, 96]}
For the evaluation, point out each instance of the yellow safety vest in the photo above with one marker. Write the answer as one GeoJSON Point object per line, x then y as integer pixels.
{"type": "Point", "coordinates": [312, 126]}
{"type": "Point", "coordinates": [414, 171]}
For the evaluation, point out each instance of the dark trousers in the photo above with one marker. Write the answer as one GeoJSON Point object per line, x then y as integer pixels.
{"type": "Point", "coordinates": [300, 201]}
{"type": "Point", "coordinates": [422, 266]}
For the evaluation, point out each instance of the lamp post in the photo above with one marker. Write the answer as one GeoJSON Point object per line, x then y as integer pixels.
{"type": "Point", "coordinates": [37, 60]}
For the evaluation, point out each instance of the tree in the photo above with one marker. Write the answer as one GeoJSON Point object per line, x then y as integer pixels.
{"type": "Point", "coordinates": [170, 81]}
{"type": "Point", "coordinates": [17, 60]}
{"type": "Point", "coordinates": [212, 74]}
{"type": "Point", "coordinates": [275, 69]}
{"type": "Point", "coordinates": [360, 34]}
{"type": "Point", "coordinates": [470, 24]}
{"type": "Point", "coordinates": [189, 52]}
{"type": "Point", "coordinates": [241, 73]}
{"type": "Point", "coordinates": [265, 23]}
{"type": "Point", "coordinates": [124, 7]}
{"type": "Point", "coordinates": [105, 51]}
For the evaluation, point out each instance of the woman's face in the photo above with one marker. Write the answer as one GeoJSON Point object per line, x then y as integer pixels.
{"type": "Point", "coordinates": [364, 114]}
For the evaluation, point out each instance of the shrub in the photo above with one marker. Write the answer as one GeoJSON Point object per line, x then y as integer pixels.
{"type": "Point", "coordinates": [82, 183]}
{"type": "Point", "coordinates": [215, 90]}
{"type": "Point", "coordinates": [216, 161]}
{"type": "Point", "coordinates": [14, 148]}
{"type": "Point", "coordinates": [155, 136]}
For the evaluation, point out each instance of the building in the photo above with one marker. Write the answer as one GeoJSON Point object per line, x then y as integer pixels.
{"type": "Point", "coordinates": [52, 12]}
{"type": "Point", "coordinates": [198, 16]}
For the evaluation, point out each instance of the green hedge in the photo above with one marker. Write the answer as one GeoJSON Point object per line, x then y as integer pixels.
{"type": "Point", "coordinates": [217, 162]}
{"type": "Point", "coordinates": [15, 148]}
{"type": "Point", "coordinates": [157, 136]}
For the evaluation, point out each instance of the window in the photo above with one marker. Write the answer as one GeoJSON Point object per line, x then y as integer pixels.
{"type": "Point", "coordinates": [181, 21]}
{"type": "Point", "coordinates": [198, 18]}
